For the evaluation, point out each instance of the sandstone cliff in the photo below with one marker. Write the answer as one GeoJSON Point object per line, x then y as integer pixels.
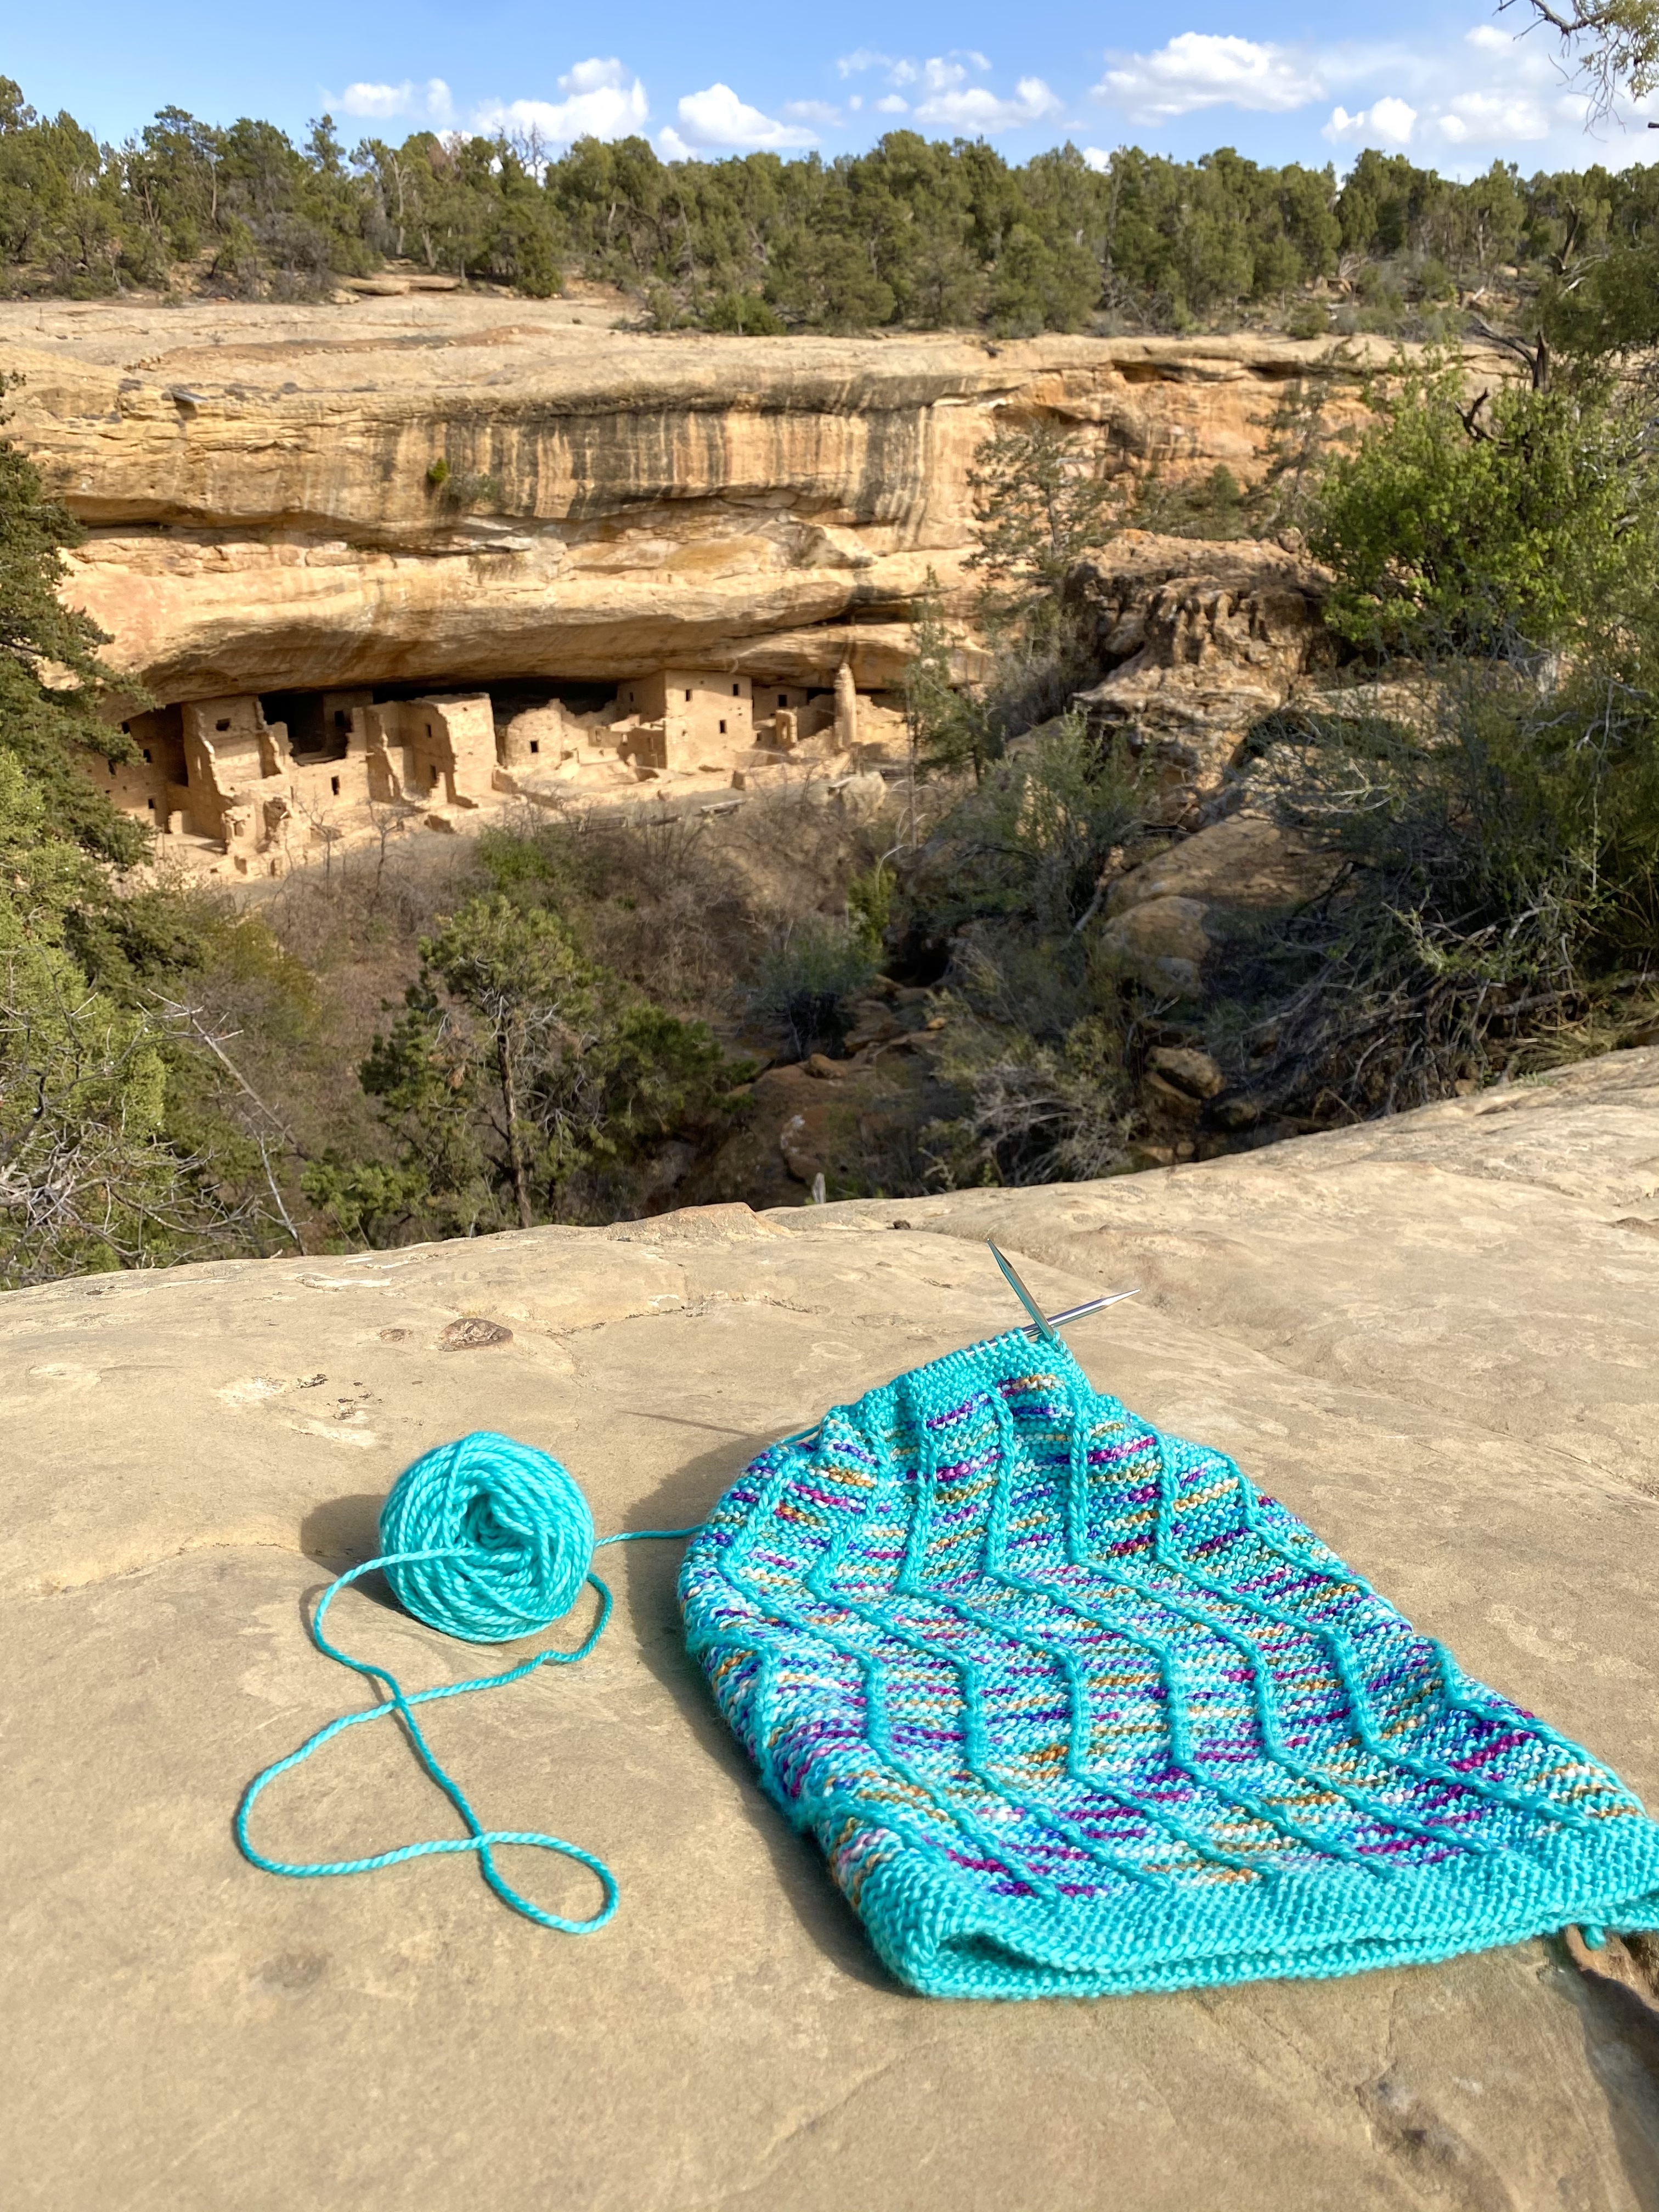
{"type": "Point", "coordinates": [455, 491]}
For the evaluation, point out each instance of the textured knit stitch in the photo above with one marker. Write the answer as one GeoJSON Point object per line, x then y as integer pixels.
{"type": "Point", "coordinates": [1071, 1709]}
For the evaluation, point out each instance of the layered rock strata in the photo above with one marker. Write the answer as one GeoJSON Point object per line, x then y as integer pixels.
{"type": "Point", "coordinates": [447, 491]}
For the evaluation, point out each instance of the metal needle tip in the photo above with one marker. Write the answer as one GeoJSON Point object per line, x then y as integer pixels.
{"type": "Point", "coordinates": [1047, 1324]}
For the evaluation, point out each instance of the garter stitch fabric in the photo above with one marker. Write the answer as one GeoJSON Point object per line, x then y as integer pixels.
{"type": "Point", "coordinates": [1072, 1710]}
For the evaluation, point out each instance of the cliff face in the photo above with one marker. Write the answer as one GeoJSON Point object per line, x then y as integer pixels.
{"type": "Point", "coordinates": [459, 490]}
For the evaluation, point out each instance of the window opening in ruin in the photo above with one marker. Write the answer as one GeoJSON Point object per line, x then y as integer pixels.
{"type": "Point", "coordinates": [722, 729]}
{"type": "Point", "coordinates": [736, 692]}
{"type": "Point", "coordinates": [783, 698]}
{"type": "Point", "coordinates": [148, 754]}
{"type": "Point", "coordinates": [225, 725]}
{"type": "Point", "coordinates": [342, 720]}
{"type": "Point", "coordinates": [334, 785]}
{"type": "Point", "coordinates": [150, 803]}
{"type": "Point", "coordinates": [688, 695]}
{"type": "Point", "coordinates": [535, 744]}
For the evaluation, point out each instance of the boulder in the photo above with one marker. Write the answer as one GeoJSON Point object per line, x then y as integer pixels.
{"type": "Point", "coordinates": [1209, 638]}
{"type": "Point", "coordinates": [1185, 1069]}
{"type": "Point", "coordinates": [1162, 916]}
{"type": "Point", "coordinates": [1162, 943]}
{"type": "Point", "coordinates": [1244, 861]}
{"type": "Point", "coordinates": [1431, 1337]}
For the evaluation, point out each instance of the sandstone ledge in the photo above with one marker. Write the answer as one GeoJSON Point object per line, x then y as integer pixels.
{"type": "Point", "coordinates": [1434, 1338]}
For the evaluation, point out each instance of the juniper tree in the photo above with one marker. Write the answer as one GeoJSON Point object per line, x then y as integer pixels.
{"type": "Point", "coordinates": [1040, 504]}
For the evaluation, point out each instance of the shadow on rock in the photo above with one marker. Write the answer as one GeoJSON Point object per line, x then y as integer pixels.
{"type": "Point", "coordinates": [653, 1572]}
{"type": "Point", "coordinates": [1616, 1991]}
{"type": "Point", "coordinates": [340, 1533]}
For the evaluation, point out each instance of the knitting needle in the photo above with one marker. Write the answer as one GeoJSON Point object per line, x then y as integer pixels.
{"type": "Point", "coordinates": [1047, 1324]}
{"type": "Point", "coordinates": [1090, 1305]}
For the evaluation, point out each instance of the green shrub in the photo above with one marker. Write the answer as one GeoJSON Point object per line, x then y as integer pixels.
{"type": "Point", "coordinates": [870, 898]}
{"type": "Point", "coordinates": [1495, 897]}
{"type": "Point", "coordinates": [1034, 1112]}
{"type": "Point", "coordinates": [520, 1083]}
{"type": "Point", "coordinates": [745, 314]}
{"type": "Point", "coordinates": [1306, 318]}
{"type": "Point", "coordinates": [1465, 521]}
{"type": "Point", "coordinates": [1029, 844]}
{"type": "Point", "coordinates": [804, 979]}
{"type": "Point", "coordinates": [1215, 506]}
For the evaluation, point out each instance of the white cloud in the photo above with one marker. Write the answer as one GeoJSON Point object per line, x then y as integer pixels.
{"type": "Point", "coordinates": [1199, 69]}
{"type": "Point", "coordinates": [1389, 122]}
{"type": "Point", "coordinates": [1455, 101]}
{"type": "Point", "coordinates": [1490, 93]}
{"type": "Point", "coordinates": [864, 59]}
{"type": "Point", "coordinates": [1492, 118]}
{"type": "Point", "coordinates": [814, 111]}
{"type": "Point", "coordinates": [379, 102]}
{"type": "Point", "coordinates": [602, 100]}
{"type": "Point", "coordinates": [942, 94]}
{"type": "Point", "coordinates": [975, 107]}
{"type": "Point", "coordinates": [1097, 157]}
{"type": "Point", "coordinates": [717, 118]}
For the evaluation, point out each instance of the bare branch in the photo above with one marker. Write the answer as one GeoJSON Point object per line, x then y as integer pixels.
{"type": "Point", "coordinates": [174, 1010]}
{"type": "Point", "coordinates": [1612, 45]}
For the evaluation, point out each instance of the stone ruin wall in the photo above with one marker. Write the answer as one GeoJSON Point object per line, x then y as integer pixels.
{"type": "Point", "coordinates": [231, 791]}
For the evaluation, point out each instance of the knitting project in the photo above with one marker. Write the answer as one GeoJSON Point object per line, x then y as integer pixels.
{"type": "Point", "coordinates": [1071, 1709]}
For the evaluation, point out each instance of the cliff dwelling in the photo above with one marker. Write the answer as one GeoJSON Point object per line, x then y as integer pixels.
{"type": "Point", "coordinates": [684, 563]}
{"type": "Point", "coordinates": [253, 785]}
{"type": "Point", "coordinates": [651, 515]}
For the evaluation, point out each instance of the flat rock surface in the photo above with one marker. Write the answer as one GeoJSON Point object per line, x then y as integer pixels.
{"type": "Point", "coordinates": [1433, 1338]}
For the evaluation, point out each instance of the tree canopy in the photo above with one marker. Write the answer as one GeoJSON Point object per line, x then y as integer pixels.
{"type": "Point", "coordinates": [1510, 519]}
{"type": "Point", "coordinates": [914, 233]}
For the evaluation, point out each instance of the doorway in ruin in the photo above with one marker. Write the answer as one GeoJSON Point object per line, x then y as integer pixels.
{"type": "Point", "coordinates": [319, 723]}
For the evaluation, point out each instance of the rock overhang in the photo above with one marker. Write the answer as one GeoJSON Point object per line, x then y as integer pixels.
{"type": "Point", "coordinates": [446, 489]}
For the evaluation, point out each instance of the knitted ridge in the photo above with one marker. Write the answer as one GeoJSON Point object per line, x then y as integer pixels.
{"type": "Point", "coordinates": [1071, 1709]}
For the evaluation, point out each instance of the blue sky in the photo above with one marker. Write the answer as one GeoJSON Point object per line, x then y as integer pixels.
{"type": "Point", "coordinates": [1450, 83]}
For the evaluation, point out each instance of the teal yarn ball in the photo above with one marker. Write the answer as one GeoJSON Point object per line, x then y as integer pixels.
{"type": "Point", "coordinates": [508, 1536]}
{"type": "Point", "coordinates": [485, 1539]}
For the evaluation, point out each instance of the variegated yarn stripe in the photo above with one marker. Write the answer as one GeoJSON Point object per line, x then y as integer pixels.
{"type": "Point", "coordinates": [1072, 1708]}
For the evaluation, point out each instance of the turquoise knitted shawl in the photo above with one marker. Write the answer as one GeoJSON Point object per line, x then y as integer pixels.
{"type": "Point", "coordinates": [1071, 1709]}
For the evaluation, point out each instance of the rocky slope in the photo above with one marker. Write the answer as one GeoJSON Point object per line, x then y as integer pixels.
{"type": "Point", "coordinates": [260, 481]}
{"type": "Point", "coordinates": [1431, 1337]}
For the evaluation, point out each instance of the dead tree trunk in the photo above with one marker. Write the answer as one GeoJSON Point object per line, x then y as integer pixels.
{"type": "Point", "coordinates": [508, 1075]}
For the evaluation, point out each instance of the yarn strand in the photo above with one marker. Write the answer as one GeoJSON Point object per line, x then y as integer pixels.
{"type": "Point", "coordinates": [521, 1548]}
